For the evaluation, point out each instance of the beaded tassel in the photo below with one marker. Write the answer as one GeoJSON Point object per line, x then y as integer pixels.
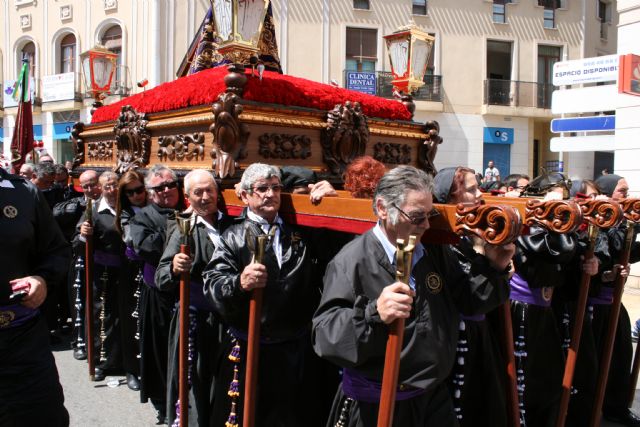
{"type": "Point", "coordinates": [77, 285]}
{"type": "Point", "coordinates": [344, 412]}
{"type": "Point", "coordinates": [458, 376]}
{"type": "Point", "coordinates": [566, 329]}
{"type": "Point", "coordinates": [520, 352]}
{"type": "Point", "coordinates": [191, 355]}
{"type": "Point", "coordinates": [590, 312]}
{"type": "Point", "coordinates": [234, 387]}
{"type": "Point", "coordinates": [136, 312]}
{"type": "Point", "coordinates": [103, 298]}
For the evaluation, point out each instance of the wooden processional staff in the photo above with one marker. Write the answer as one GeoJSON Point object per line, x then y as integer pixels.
{"type": "Point", "coordinates": [404, 255]}
{"type": "Point", "coordinates": [184, 225]}
{"type": "Point", "coordinates": [253, 340]}
{"type": "Point", "coordinates": [88, 300]}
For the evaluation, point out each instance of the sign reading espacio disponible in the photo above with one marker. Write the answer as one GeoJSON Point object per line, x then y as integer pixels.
{"type": "Point", "coordinates": [58, 87]}
{"type": "Point", "coordinates": [587, 70]}
{"type": "Point", "coordinates": [361, 81]}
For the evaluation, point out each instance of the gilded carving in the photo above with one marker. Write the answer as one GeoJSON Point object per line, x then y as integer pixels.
{"type": "Point", "coordinates": [100, 151]}
{"type": "Point", "coordinates": [181, 147]}
{"type": "Point", "coordinates": [429, 148]}
{"type": "Point", "coordinates": [133, 141]}
{"type": "Point", "coordinates": [345, 136]}
{"type": "Point", "coordinates": [396, 154]}
{"type": "Point", "coordinates": [78, 144]}
{"type": "Point", "coordinates": [229, 134]}
{"type": "Point", "coordinates": [284, 146]}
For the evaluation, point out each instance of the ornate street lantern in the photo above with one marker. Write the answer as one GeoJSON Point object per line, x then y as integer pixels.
{"type": "Point", "coordinates": [409, 52]}
{"type": "Point", "coordinates": [98, 66]}
{"type": "Point", "coordinates": [239, 25]}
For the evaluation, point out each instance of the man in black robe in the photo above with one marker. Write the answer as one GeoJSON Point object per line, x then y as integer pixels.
{"type": "Point", "coordinates": [148, 232]}
{"type": "Point", "coordinates": [206, 224]}
{"type": "Point", "coordinates": [289, 301]}
{"type": "Point", "coordinates": [34, 256]}
{"type": "Point", "coordinates": [362, 297]}
{"type": "Point", "coordinates": [108, 259]}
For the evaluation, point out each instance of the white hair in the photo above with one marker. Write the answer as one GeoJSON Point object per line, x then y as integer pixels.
{"type": "Point", "coordinates": [258, 171]}
{"type": "Point", "coordinates": [197, 173]}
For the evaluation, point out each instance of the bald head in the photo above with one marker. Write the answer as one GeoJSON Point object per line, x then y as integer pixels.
{"type": "Point", "coordinates": [89, 183]}
{"type": "Point", "coordinates": [198, 175]}
{"type": "Point", "coordinates": [202, 192]}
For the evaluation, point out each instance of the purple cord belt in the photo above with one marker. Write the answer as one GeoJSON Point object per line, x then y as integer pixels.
{"type": "Point", "coordinates": [106, 259]}
{"type": "Point", "coordinates": [132, 255]}
{"type": "Point", "coordinates": [473, 318]}
{"type": "Point", "coordinates": [357, 387]}
{"type": "Point", "coordinates": [197, 298]}
{"type": "Point", "coordinates": [15, 315]}
{"type": "Point", "coordinates": [521, 292]}
{"type": "Point", "coordinates": [149, 275]}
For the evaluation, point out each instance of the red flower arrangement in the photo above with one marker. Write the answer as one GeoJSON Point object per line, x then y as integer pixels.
{"type": "Point", "coordinates": [204, 87]}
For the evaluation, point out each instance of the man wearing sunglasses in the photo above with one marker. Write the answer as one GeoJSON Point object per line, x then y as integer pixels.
{"type": "Point", "coordinates": [148, 230]}
{"type": "Point", "coordinates": [289, 301]}
{"type": "Point", "coordinates": [362, 297]}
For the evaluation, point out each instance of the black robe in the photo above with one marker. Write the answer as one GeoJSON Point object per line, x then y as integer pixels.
{"type": "Point", "coordinates": [148, 230]}
{"type": "Point", "coordinates": [478, 378]}
{"type": "Point", "coordinates": [347, 328]}
{"type": "Point", "coordinates": [289, 301]}
{"type": "Point", "coordinates": [206, 327]}
{"type": "Point", "coordinates": [108, 278]}
{"type": "Point", "coordinates": [544, 260]}
{"type": "Point", "coordinates": [610, 244]}
{"type": "Point", "coordinates": [30, 391]}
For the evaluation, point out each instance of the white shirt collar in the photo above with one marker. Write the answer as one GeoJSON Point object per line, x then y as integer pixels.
{"type": "Point", "coordinates": [5, 183]}
{"type": "Point", "coordinates": [276, 243]}
{"type": "Point", "coordinates": [103, 205]}
{"type": "Point", "coordinates": [390, 249]}
{"type": "Point", "coordinates": [212, 232]}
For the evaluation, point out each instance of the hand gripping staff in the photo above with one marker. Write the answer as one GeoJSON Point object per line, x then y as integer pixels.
{"type": "Point", "coordinates": [597, 214]}
{"type": "Point", "coordinates": [253, 339]}
{"type": "Point", "coordinates": [404, 255]}
{"type": "Point", "coordinates": [88, 299]}
{"type": "Point", "coordinates": [185, 226]}
{"type": "Point", "coordinates": [631, 208]}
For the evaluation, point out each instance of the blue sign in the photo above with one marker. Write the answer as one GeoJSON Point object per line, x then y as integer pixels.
{"type": "Point", "coordinates": [584, 124]}
{"type": "Point", "coordinates": [37, 132]}
{"type": "Point", "coordinates": [62, 130]}
{"type": "Point", "coordinates": [498, 136]}
{"type": "Point", "coordinates": [361, 81]}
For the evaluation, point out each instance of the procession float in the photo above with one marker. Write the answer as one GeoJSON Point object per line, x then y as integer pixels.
{"type": "Point", "coordinates": [231, 106]}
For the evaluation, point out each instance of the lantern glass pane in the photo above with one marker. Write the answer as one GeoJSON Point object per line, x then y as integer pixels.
{"type": "Point", "coordinates": [102, 69]}
{"type": "Point", "coordinates": [86, 71]}
{"type": "Point", "coordinates": [250, 16]}
{"type": "Point", "coordinates": [222, 11]}
{"type": "Point", "coordinates": [399, 54]}
{"type": "Point", "coordinates": [420, 57]}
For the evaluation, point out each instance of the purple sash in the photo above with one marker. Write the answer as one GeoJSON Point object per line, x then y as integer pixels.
{"type": "Point", "coordinates": [132, 255]}
{"type": "Point", "coordinates": [149, 275]}
{"type": "Point", "coordinates": [357, 387]}
{"type": "Point", "coordinates": [15, 315]}
{"type": "Point", "coordinates": [473, 318]}
{"type": "Point", "coordinates": [604, 297]}
{"type": "Point", "coordinates": [520, 291]}
{"type": "Point", "coordinates": [106, 259]}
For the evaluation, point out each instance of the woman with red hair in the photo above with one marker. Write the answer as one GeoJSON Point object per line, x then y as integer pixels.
{"type": "Point", "coordinates": [362, 176]}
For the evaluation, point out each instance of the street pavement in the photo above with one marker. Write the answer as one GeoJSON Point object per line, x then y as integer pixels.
{"type": "Point", "coordinates": [96, 404]}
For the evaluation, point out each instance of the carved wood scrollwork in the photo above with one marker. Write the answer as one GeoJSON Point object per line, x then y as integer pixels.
{"type": "Point", "coordinates": [631, 208]}
{"type": "Point", "coordinates": [495, 224]}
{"type": "Point", "coordinates": [101, 151]}
{"type": "Point", "coordinates": [429, 148]}
{"type": "Point", "coordinates": [132, 140]}
{"type": "Point", "coordinates": [601, 213]}
{"type": "Point", "coordinates": [395, 154]}
{"type": "Point", "coordinates": [559, 216]}
{"type": "Point", "coordinates": [284, 146]}
{"type": "Point", "coordinates": [181, 147]}
{"type": "Point", "coordinates": [345, 137]}
{"type": "Point", "coordinates": [229, 134]}
{"type": "Point", "coordinates": [78, 143]}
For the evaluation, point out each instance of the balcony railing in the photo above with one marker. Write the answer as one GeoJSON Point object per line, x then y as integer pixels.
{"type": "Point", "coordinates": [517, 94]}
{"type": "Point", "coordinates": [431, 91]}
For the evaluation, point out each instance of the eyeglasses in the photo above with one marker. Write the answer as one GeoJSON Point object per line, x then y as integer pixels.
{"type": "Point", "coordinates": [417, 219]}
{"type": "Point", "coordinates": [132, 191]}
{"type": "Point", "coordinates": [164, 186]}
{"type": "Point", "coordinates": [89, 185]}
{"type": "Point", "coordinates": [263, 189]}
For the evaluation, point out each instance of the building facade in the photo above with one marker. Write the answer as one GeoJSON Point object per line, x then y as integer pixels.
{"type": "Point", "coordinates": [488, 81]}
